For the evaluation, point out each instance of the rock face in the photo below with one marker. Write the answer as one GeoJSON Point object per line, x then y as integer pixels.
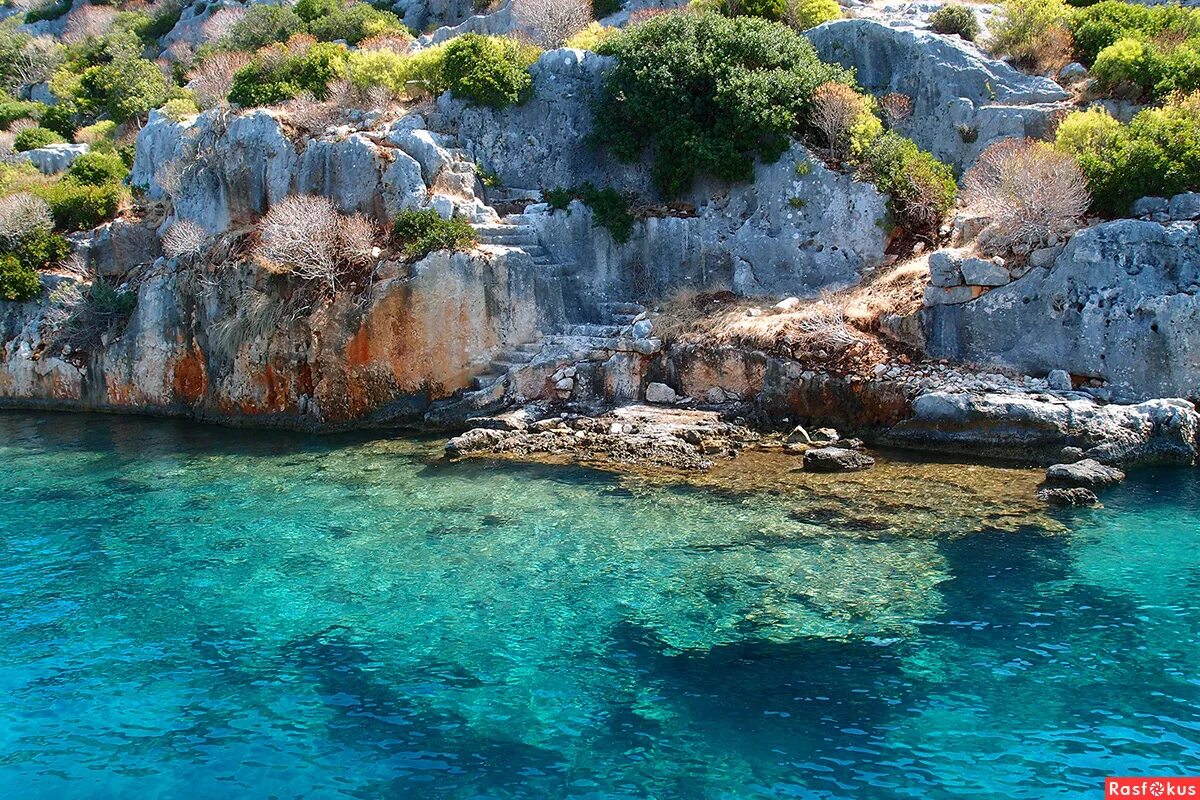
{"type": "Point", "coordinates": [229, 170]}
{"type": "Point", "coordinates": [1119, 303]}
{"type": "Point", "coordinates": [836, 459]}
{"type": "Point", "coordinates": [961, 100]}
{"type": "Point", "coordinates": [237, 350]}
{"type": "Point", "coordinates": [1031, 427]}
{"type": "Point", "coordinates": [1088, 473]}
{"type": "Point", "coordinates": [784, 233]}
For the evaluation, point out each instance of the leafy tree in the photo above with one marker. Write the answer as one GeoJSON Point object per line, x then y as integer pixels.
{"type": "Point", "coordinates": [707, 94]}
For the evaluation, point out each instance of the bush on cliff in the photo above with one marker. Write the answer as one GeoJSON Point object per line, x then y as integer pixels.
{"type": "Point", "coordinates": [263, 25]}
{"type": "Point", "coordinates": [420, 232]}
{"type": "Point", "coordinates": [305, 236]}
{"type": "Point", "coordinates": [353, 22]}
{"type": "Point", "coordinates": [1033, 33]}
{"type": "Point", "coordinates": [79, 206]}
{"type": "Point", "coordinates": [35, 137]}
{"type": "Point", "coordinates": [1157, 153]}
{"type": "Point", "coordinates": [955, 20]}
{"type": "Point", "coordinates": [488, 70]}
{"type": "Point", "coordinates": [610, 208]}
{"type": "Point", "coordinates": [707, 94]}
{"type": "Point", "coordinates": [97, 169]}
{"type": "Point", "coordinates": [279, 73]}
{"type": "Point", "coordinates": [1137, 50]}
{"type": "Point", "coordinates": [18, 283]}
{"type": "Point", "coordinates": [26, 232]}
{"type": "Point", "coordinates": [922, 190]}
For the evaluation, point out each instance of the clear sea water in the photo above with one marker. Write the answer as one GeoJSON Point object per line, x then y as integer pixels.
{"type": "Point", "coordinates": [194, 612]}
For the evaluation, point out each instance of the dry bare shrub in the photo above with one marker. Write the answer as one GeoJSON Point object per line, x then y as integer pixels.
{"type": "Point", "coordinates": [299, 43]}
{"type": "Point", "coordinates": [310, 114]}
{"type": "Point", "coordinates": [18, 125]}
{"type": "Point", "coordinates": [896, 109]}
{"type": "Point", "coordinates": [835, 110]}
{"type": "Point", "coordinates": [184, 238]}
{"type": "Point", "coordinates": [551, 22]}
{"type": "Point", "coordinates": [22, 214]}
{"type": "Point", "coordinates": [211, 79]}
{"type": "Point", "coordinates": [356, 240]}
{"type": "Point", "coordinates": [387, 41]}
{"type": "Point", "coordinates": [1034, 194]}
{"type": "Point", "coordinates": [305, 236]}
{"type": "Point", "coordinates": [219, 25]}
{"type": "Point", "coordinates": [180, 52]}
{"type": "Point", "coordinates": [88, 22]}
{"type": "Point", "coordinates": [169, 177]}
{"type": "Point", "coordinates": [34, 62]}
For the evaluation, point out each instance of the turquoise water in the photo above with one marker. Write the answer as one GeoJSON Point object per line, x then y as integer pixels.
{"type": "Point", "coordinates": [195, 612]}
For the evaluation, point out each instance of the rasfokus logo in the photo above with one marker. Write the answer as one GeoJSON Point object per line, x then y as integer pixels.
{"type": "Point", "coordinates": [1151, 787]}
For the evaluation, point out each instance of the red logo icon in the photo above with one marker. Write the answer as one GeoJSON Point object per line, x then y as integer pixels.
{"type": "Point", "coordinates": [1151, 787]}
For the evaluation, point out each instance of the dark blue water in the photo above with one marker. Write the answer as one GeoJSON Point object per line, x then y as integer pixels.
{"type": "Point", "coordinates": [188, 611]}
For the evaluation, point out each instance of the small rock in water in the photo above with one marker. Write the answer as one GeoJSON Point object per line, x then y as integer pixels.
{"type": "Point", "coordinates": [826, 435]}
{"type": "Point", "coordinates": [836, 459]}
{"type": "Point", "coordinates": [1077, 496]}
{"type": "Point", "coordinates": [1088, 472]}
{"type": "Point", "coordinates": [799, 436]}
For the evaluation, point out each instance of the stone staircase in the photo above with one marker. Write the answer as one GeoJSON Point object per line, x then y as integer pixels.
{"type": "Point", "coordinates": [517, 232]}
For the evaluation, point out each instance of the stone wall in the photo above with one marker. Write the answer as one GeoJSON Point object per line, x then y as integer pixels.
{"type": "Point", "coordinates": [1119, 303]}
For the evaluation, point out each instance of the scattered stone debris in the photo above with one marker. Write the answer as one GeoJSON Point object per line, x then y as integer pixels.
{"type": "Point", "coordinates": [639, 434]}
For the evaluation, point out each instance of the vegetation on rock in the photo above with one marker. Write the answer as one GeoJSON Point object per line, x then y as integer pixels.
{"type": "Point", "coordinates": [610, 208]}
{"type": "Point", "coordinates": [420, 232]}
{"type": "Point", "coordinates": [955, 20]}
{"type": "Point", "coordinates": [707, 94]}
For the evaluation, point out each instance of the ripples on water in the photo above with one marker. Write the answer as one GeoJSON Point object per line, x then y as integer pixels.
{"type": "Point", "coordinates": [188, 611]}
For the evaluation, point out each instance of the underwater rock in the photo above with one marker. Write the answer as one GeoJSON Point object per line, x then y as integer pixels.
{"type": "Point", "coordinates": [1077, 496]}
{"type": "Point", "coordinates": [836, 459]}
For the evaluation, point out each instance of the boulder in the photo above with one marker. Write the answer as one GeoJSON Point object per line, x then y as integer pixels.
{"type": "Point", "coordinates": [836, 459]}
{"type": "Point", "coordinates": [1089, 472]}
{"type": "Point", "coordinates": [945, 268]}
{"type": "Point", "coordinates": [660, 394]}
{"type": "Point", "coordinates": [1120, 303]}
{"type": "Point", "coordinates": [1068, 497]}
{"type": "Point", "coordinates": [962, 101]}
{"type": "Point", "coordinates": [1038, 427]}
{"type": "Point", "coordinates": [1060, 380]}
{"type": "Point", "coordinates": [984, 272]}
{"type": "Point", "coordinates": [1149, 206]}
{"type": "Point", "coordinates": [54, 158]}
{"type": "Point", "coordinates": [1185, 206]}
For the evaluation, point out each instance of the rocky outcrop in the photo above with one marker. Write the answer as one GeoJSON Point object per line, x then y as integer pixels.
{"type": "Point", "coordinates": [1032, 427]}
{"type": "Point", "coordinates": [223, 170]}
{"type": "Point", "coordinates": [796, 228]}
{"type": "Point", "coordinates": [243, 348]}
{"type": "Point", "coordinates": [1119, 303]}
{"type": "Point", "coordinates": [961, 100]}
{"type": "Point", "coordinates": [836, 459]}
{"type": "Point", "coordinates": [1087, 472]}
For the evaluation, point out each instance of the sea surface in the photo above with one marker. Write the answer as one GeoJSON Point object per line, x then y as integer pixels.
{"type": "Point", "coordinates": [196, 612]}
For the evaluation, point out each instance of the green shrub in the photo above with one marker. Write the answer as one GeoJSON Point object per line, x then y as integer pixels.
{"type": "Point", "coordinates": [35, 137]}
{"type": "Point", "coordinates": [97, 169]}
{"type": "Point", "coordinates": [79, 206]}
{"type": "Point", "coordinates": [263, 25]}
{"type": "Point", "coordinates": [100, 135]}
{"type": "Point", "coordinates": [13, 110]}
{"type": "Point", "coordinates": [610, 208]}
{"type": "Point", "coordinates": [366, 68]}
{"type": "Point", "coordinates": [62, 118]}
{"type": "Point", "coordinates": [1030, 31]}
{"type": "Point", "coordinates": [41, 249]}
{"type": "Point", "coordinates": [922, 190]}
{"type": "Point", "coordinates": [807, 14]}
{"type": "Point", "coordinates": [125, 88]}
{"type": "Point", "coordinates": [165, 20]}
{"type": "Point", "coordinates": [1151, 50]}
{"type": "Point", "coordinates": [308, 10]}
{"type": "Point", "coordinates": [591, 37]}
{"type": "Point", "coordinates": [1098, 26]}
{"type": "Point", "coordinates": [707, 94]}
{"type": "Point", "coordinates": [488, 70]}
{"type": "Point", "coordinates": [767, 9]}
{"type": "Point", "coordinates": [18, 283]}
{"type": "Point", "coordinates": [955, 20]}
{"type": "Point", "coordinates": [277, 76]}
{"type": "Point", "coordinates": [1157, 153]}
{"type": "Point", "coordinates": [419, 233]}
{"type": "Point", "coordinates": [354, 23]}
{"type": "Point", "coordinates": [180, 108]}
{"type": "Point", "coordinates": [426, 68]}
{"type": "Point", "coordinates": [50, 10]}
